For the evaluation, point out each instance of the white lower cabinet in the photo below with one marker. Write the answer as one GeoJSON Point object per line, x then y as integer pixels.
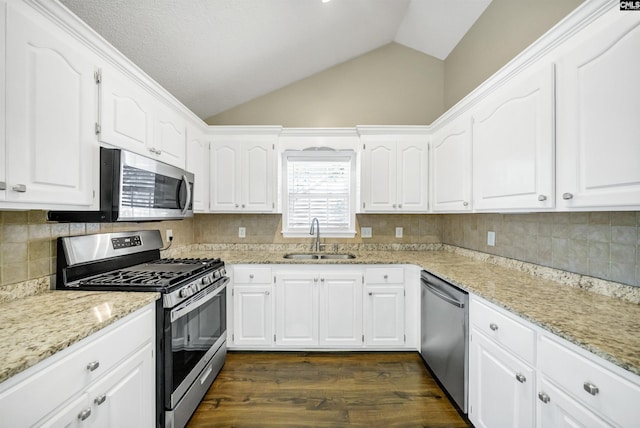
{"type": "Point", "coordinates": [523, 376]}
{"type": "Point", "coordinates": [501, 387]}
{"type": "Point", "coordinates": [106, 380]}
{"type": "Point", "coordinates": [318, 308]}
{"type": "Point", "coordinates": [384, 312]}
{"type": "Point", "coordinates": [252, 312]}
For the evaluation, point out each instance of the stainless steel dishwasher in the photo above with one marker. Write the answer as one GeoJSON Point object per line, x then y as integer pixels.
{"type": "Point", "coordinates": [444, 327]}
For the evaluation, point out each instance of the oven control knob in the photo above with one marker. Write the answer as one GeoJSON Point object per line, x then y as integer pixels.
{"type": "Point", "coordinates": [186, 291]}
{"type": "Point", "coordinates": [223, 272]}
{"type": "Point", "coordinates": [217, 274]}
{"type": "Point", "coordinates": [206, 280]}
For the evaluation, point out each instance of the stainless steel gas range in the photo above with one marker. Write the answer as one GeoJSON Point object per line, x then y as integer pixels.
{"type": "Point", "coordinates": [191, 316]}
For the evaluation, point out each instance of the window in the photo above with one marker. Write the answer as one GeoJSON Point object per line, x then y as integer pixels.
{"type": "Point", "coordinates": [319, 184]}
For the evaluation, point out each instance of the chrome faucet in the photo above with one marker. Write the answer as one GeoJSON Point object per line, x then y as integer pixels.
{"type": "Point", "coordinates": [315, 228]}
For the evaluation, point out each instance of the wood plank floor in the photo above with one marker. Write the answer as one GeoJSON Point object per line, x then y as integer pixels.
{"type": "Point", "coordinates": [381, 389]}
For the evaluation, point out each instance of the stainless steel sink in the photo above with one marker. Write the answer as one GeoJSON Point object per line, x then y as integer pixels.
{"type": "Point", "coordinates": [308, 256]}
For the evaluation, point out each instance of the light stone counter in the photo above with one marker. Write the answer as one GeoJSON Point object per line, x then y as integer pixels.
{"type": "Point", "coordinates": [555, 300]}
{"type": "Point", "coordinates": [35, 327]}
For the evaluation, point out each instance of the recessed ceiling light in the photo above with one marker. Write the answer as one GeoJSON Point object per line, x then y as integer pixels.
{"type": "Point", "coordinates": [326, 1]}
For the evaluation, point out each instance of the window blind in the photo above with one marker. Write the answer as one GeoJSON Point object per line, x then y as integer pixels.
{"type": "Point", "coordinates": [319, 186]}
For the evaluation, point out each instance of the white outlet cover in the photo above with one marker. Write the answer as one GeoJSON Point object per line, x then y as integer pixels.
{"type": "Point", "coordinates": [365, 232]}
{"type": "Point", "coordinates": [242, 232]}
{"type": "Point", "coordinates": [169, 234]}
{"type": "Point", "coordinates": [491, 238]}
{"type": "Point", "coordinates": [399, 232]}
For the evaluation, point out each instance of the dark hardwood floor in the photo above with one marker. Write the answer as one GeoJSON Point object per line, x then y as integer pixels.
{"type": "Point", "coordinates": [276, 389]}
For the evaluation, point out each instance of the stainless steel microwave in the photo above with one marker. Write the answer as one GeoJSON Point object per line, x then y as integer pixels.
{"type": "Point", "coordinates": [136, 188]}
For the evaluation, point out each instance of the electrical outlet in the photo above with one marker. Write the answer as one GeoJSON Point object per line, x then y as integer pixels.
{"type": "Point", "coordinates": [491, 238]}
{"type": "Point", "coordinates": [169, 234]}
{"type": "Point", "coordinates": [398, 232]}
{"type": "Point", "coordinates": [242, 232]}
{"type": "Point", "coordinates": [365, 232]}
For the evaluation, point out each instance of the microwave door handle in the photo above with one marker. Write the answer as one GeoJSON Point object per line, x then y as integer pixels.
{"type": "Point", "coordinates": [188, 199]}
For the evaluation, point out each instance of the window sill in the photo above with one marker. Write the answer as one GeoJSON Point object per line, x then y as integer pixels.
{"type": "Point", "coordinates": [328, 234]}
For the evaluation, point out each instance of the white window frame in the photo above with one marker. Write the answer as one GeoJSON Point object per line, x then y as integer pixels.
{"type": "Point", "coordinates": [325, 232]}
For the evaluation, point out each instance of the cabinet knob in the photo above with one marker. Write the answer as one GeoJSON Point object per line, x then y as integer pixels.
{"type": "Point", "coordinates": [370, 293]}
{"type": "Point", "coordinates": [20, 188]}
{"type": "Point", "coordinates": [590, 388]}
{"type": "Point", "coordinates": [493, 326]}
{"type": "Point", "coordinates": [3, 185]}
{"type": "Point", "coordinates": [394, 206]}
{"type": "Point", "coordinates": [84, 415]}
{"type": "Point", "coordinates": [399, 205]}
{"type": "Point", "coordinates": [266, 293]}
{"type": "Point", "coordinates": [93, 365]}
{"type": "Point", "coordinates": [321, 279]}
{"type": "Point", "coordinates": [465, 204]}
{"type": "Point", "coordinates": [100, 399]}
{"type": "Point", "coordinates": [242, 205]}
{"type": "Point", "coordinates": [521, 378]}
{"type": "Point", "coordinates": [250, 276]}
{"type": "Point", "coordinates": [567, 196]}
{"type": "Point", "coordinates": [544, 397]}
{"type": "Point", "coordinates": [315, 279]}
{"type": "Point", "coordinates": [542, 198]}
{"type": "Point", "coordinates": [237, 206]}
{"type": "Point", "coordinates": [386, 276]}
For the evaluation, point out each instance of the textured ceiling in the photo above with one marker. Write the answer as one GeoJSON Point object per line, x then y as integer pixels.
{"type": "Point", "coordinates": [216, 54]}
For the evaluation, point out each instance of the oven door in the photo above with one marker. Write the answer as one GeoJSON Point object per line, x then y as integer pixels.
{"type": "Point", "coordinates": [193, 332]}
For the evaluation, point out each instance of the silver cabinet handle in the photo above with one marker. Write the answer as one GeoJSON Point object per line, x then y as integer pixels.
{"type": "Point", "coordinates": [237, 206]}
{"type": "Point", "coordinates": [21, 188]}
{"type": "Point", "coordinates": [591, 388]}
{"type": "Point", "coordinates": [266, 293]}
{"type": "Point", "coordinates": [465, 204]}
{"type": "Point", "coordinates": [399, 205]}
{"type": "Point", "coordinates": [3, 185]}
{"type": "Point", "coordinates": [386, 277]}
{"type": "Point", "coordinates": [521, 378]}
{"type": "Point", "coordinates": [84, 415]}
{"type": "Point", "coordinates": [242, 205]}
{"type": "Point", "coordinates": [394, 205]}
{"type": "Point", "coordinates": [493, 326]}
{"type": "Point", "coordinates": [370, 293]}
{"type": "Point", "coordinates": [321, 279]}
{"type": "Point", "coordinates": [315, 279]}
{"type": "Point", "coordinates": [567, 196]}
{"type": "Point", "coordinates": [93, 365]}
{"type": "Point", "coordinates": [542, 198]}
{"type": "Point", "coordinates": [250, 276]}
{"type": "Point", "coordinates": [544, 397]}
{"type": "Point", "coordinates": [100, 399]}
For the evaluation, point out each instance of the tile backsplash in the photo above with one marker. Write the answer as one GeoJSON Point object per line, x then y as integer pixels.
{"type": "Point", "coordinates": [28, 241]}
{"type": "Point", "coordinates": [601, 244]}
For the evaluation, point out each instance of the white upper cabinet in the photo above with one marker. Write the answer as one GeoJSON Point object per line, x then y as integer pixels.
{"type": "Point", "coordinates": [133, 119]}
{"type": "Point", "coordinates": [243, 175]}
{"type": "Point", "coordinates": [198, 164]}
{"type": "Point", "coordinates": [598, 129]}
{"type": "Point", "coordinates": [451, 166]}
{"type": "Point", "coordinates": [513, 145]}
{"type": "Point", "coordinates": [50, 114]}
{"type": "Point", "coordinates": [395, 173]}
{"type": "Point", "coordinates": [3, 35]}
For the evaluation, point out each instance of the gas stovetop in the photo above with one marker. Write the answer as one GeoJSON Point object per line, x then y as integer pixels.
{"type": "Point", "coordinates": [157, 275]}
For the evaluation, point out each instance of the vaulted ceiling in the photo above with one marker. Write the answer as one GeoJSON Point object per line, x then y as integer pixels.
{"type": "Point", "coordinates": [216, 54]}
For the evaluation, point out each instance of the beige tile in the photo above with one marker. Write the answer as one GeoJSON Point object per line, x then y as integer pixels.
{"type": "Point", "coordinates": [39, 249]}
{"type": "Point", "coordinates": [15, 217]}
{"type": "Point", "coordinates": [15, 233]}
{"type": "Point", "coordinates": [14, 272]}
{"type": "Point", "coordinates": [623, 218]}
{"type": "Point", "coordinates": [14, 253]}
{"type": "Point", "coordinates": [37, 217]}
{"type": "Point", "coordinates": [59, 229]}
{"type": "Point", "coordinates": [599, 217]}
{"type": "Point", "coordinates": [39, 231]}
{"type": "Point", "coordinates": [624, 234]}
{"type": "Point", "coordinates": [39, 268]}
{"type": "Point", "coordinates": [621, 253]}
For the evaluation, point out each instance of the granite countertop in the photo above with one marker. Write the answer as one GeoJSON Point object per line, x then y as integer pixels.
{"type": "Point", "coordinates": [38, 326]}
{"type": "Point", "coordinates": [606, 326]}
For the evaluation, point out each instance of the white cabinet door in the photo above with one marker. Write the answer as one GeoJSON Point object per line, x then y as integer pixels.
{"type": "Point", "coordinates": [170, 137]}
{"type": "Point", "coordinates": [341, 309]}
{"type": "Point", "coordinates": [379, 175]}
{"type": "Point", "coordinates": [258, 176]}
{"type": "Point", "coordinates": [198, 164]}
{"type": "Point", "coordinates": [513, 145]}
{"type": "Point", "coordinates": [125, 396]}
{"type": "Point", "coordinates": [598, 126]}
{"type": "Point", "coordinates": [412, 175]}
{"type": "Point", "coordinates": [253, 315]}
{"type": "Point", "coordinates": [297, 309]}
{"type": "Point", "coordinates": [77, 413]}
{"type": "Point", "coordinates": [126, 113]}
{"type": "Point", "coordinates": [50, 114]}
{"type": "Point", "coordinates": [3, 38]}
{"type": "Point", "coordinates": [242, 175]}
{"type": "Point", "coordinates": [225, 176]}
{"type": "Point", "coordinates": [556, 409]}
{"type": "Point", "coordinates": [451, 167]}
{"type": "Point", "coordinates": [384, 314]}
{"type": "Point", "coordinates": [501, 387]}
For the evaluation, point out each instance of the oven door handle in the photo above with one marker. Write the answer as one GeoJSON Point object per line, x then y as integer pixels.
{"type": "Point", "coordinates": [187, 306]}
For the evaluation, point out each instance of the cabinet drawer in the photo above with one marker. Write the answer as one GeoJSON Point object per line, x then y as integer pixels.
{"type": "Point", "coordinates": [384, 276]}
{"type": "Point", "coordinates": [510, 333]}
{"type": "Point", "coordinates": [611, 395]}
{"type": "Point", "coordinates": [252, 275]}
{"type": "Point", "coordinates": [59, 378]}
